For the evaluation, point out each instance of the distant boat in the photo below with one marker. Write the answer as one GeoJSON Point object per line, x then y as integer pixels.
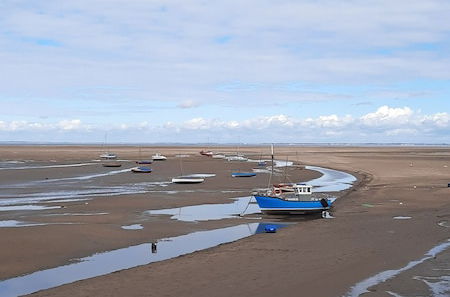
{"type": "Point", "coordinates": [243, 174]}
{"type": "Point", "coordinates": [141, 169]}
{"type": "Point", "coordinates": [159, 157]}
{"type": "Point", "coordinates": [206, 153]}
{"type": "Point", "coordinates": [237, 158]}
{"type": "Point", "coordinates": [108, 156]}
{"type": "Point", "coordinates": [144, 162]}
{"type": "Point", "coordinates": [111, 164]}
{"type": "Point", "coordinates": [262, 163]}
{"type": "Point", "coordinates": [140, 161]}
{"type": "Point", "coordinates": [187, 179]}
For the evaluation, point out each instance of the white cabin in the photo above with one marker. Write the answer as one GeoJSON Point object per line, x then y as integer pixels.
{"type": "Point", "coordinates": [302, 189]}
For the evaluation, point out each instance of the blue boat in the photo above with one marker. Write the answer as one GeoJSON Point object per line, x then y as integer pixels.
{"type": "Point", "coordinates": [301, 201]}
{"type": "Point", "coordinates": [141, 169]}
{"type": "Point", "coordinates": [243, 174]}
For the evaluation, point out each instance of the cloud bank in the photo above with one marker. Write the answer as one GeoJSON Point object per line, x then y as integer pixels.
{"type": "Point", "coordinates": [386, 124]}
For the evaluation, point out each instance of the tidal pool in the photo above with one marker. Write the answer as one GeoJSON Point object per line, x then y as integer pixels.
{"type": "Point", "coordinates": [108, 262]}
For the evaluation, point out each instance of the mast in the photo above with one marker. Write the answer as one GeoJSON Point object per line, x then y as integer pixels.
{"type": "Point", "coordinates": [271, 172]}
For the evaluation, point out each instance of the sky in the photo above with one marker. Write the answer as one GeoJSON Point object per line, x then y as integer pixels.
{"type": "Point", "coordinates": [225, 71]}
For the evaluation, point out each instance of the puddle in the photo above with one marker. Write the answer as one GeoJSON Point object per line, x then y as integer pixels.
{"type": "Point", "coordinates": [133, 227]}
{"type": "Point", "coordinates": [108, 262]}
{"type": "Point", "coordinates": [75, 195]}
{"type": "Point", "coordinates": [402, 218]}
{"type": "Point", "coordinates": [76, 214]}
{"type": "Point", "coordinates": [14, 223]}
{"type": "Point", "coordinates": [27, 207]}
{"type": "Point", "coordinates": [85, 177]}
{"type": "Point", "coordinates": [363, 286]}
{"type": "Point", "coordinates": [207, 212]}
{"type": "Point", "coordinates": [331, 180]}
{"type": "Point", "coordinates": [445, 224]}
{"type": "Point", "coordinates": [439, 285]}
{"type": "Point", "coordinates": [10, 165]}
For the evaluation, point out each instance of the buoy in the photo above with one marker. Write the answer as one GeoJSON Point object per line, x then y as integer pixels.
{"type": "Point", "coordinates": [270, 229]}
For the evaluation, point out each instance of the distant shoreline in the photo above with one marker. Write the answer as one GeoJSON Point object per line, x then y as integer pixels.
{"type": "Point", "coordinates": [162, 144]}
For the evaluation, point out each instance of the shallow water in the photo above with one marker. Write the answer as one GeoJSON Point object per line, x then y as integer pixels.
{"type": "Point", "coordinates": [108, 262]}
{"type": "Point", "coordinates": [363, 286]}
{"type": "Point", "coordinates": [331, 180]}
{"type": "Point", "coordinates": [207, 212]}
{"type": "Point", "coordinates": [27, 207]}
{"type": "Point", "coordinates": [8, 165]}
{"type": "Point", "coordinates": [14, 223]}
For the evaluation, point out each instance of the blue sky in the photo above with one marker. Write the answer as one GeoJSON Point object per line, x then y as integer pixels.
{"type": "Point", "coordinates": [225, 71]}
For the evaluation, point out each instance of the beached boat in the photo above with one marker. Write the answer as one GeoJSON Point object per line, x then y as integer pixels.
{"type": "Point", "coordinates": [301, 201]}
{"type": "Point", "coordinates": [159, 157]}
{"type": "Point", "coordinates": [237, 158]}
{"type": "Point", "coordinates": [187, 179]}
{"type": "Point", "coordinates": [141, 169]}
{"type": "Point", "coordinates": [108, 156]}
{"type": "Point", "coordinates": [206, 153]}
{"type": "Point", "coordinates": [243, 174]}
{"type": "Point", "coordinates": [144, 162]}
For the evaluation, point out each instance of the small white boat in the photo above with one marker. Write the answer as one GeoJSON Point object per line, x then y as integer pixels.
{"type": "Point", "coordinates": [187, 179]}
{"type": "Point", "coordinates": [237, 158]}
{"type": "Point", "coordinates": [108, 156]}
{"type": "Point", "coordinates": [159, 157]}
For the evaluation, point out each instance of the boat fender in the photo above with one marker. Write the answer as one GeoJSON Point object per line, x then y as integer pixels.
{"type": "Point", "coordinates": [324, 202]}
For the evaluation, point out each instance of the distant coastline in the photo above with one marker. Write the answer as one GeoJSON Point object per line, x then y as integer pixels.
{"type": "Point", "coordinates": [325, 144]}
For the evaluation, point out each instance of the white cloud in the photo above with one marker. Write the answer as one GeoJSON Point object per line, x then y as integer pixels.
{"type": "Point", "coordinates": [70, 125]}
{"type": "Point", "coordinates": [386, 115]}
{"type": "Point", "coordinates": [188, 104]}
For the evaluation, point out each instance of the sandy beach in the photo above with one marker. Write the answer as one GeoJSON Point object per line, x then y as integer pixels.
{"type": "Point", "coordinates": [396, 212]}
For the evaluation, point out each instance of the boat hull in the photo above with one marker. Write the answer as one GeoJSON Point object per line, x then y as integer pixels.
{"type": "Point", "coordinates": [243, 174]}
{"type": "Point", "coordinates": [187, 180]}
{"type": "Point", "coordinates": [276, 205]}
{"type": "Point", "coordinates": [141, 170]}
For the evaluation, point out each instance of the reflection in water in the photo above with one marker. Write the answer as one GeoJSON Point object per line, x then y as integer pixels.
{"type": "Point", "coordinates": [108, 262]}
{"type": "Point", "coordinates": [206, 212]}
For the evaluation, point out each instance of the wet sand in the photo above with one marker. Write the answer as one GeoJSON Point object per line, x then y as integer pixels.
{"type": "Point", "coordinates": [311, 258]}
